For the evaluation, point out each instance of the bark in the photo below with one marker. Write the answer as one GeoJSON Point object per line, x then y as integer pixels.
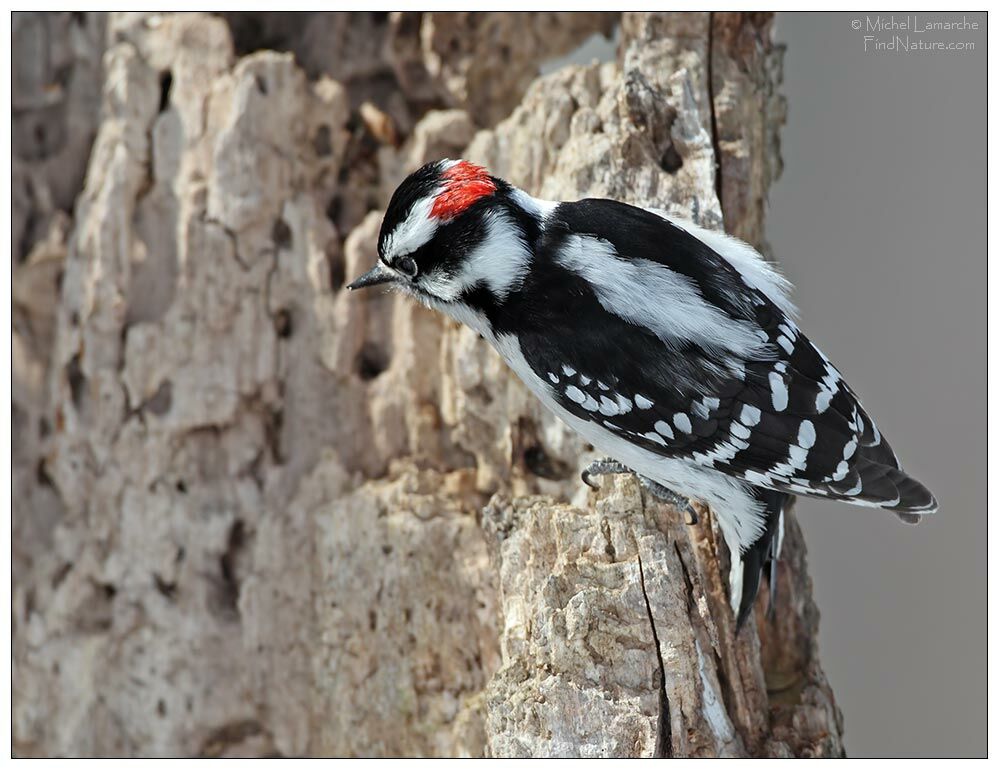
{"type": "Point", "coordinates": [265, 517]}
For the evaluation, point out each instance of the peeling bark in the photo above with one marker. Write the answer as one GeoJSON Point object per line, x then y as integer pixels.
{"type": "Point", "coordinates": [268, 518]}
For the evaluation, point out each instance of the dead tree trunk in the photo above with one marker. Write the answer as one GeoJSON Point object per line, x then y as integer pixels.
{"type": "Point", "coordinates": [259, 516]}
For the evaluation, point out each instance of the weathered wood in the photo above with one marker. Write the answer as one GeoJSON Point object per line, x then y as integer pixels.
{"type": "Point", "coordinates": [295, 522]}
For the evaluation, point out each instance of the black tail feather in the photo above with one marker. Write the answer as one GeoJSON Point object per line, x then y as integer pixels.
{"type": "Point", "coordinates": [761, 554]}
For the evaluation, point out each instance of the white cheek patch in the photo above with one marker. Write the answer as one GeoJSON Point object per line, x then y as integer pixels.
{"type": "Point", "coordinates": [500, 262]}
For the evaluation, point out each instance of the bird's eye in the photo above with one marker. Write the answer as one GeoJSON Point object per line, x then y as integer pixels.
{"type": "Point", "coordinates": [407, 266]}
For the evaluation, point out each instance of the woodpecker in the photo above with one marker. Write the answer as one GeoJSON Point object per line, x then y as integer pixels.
{"type": "Point", "coordinates": [670, 348]}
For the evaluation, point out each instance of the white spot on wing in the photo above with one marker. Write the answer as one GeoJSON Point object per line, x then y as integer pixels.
{"type": "Point", "coordinates": [664, 428]}
{"type": "Point", "coordinates": [575, 394]}
{"type": "Point", "coordinates": [642, 402]}
{"type": "Point", "coordinates": [740, 430]}
{"type": "Point", "coordinates": [568, 371]}
{"type": "Point", "coordinates": [778, 392]}
{"type": "Point", "coordinates": [750, 415]}
{"type": "Point", "coordinates": [553, 377]}
{"type": "Point", "coordinates": [682, 421]}
{"type": "Point", "coordinates": [655, 437]}
{"type": "Point", "coordinates": [806, 434]}
{"type": "Point", "coordinates": [798, 456]}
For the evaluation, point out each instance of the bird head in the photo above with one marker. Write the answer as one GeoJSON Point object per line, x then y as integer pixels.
{"type": "Point", "coordinates": [452, 228]}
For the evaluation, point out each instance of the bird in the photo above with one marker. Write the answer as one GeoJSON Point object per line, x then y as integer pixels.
{"type": "Point", "coordinates": [672, 349]}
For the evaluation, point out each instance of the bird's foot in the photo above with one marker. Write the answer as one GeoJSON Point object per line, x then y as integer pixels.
{"type": "Point", "coordinates": [602, 468]}
{"type": "Point", "coordinates": [667, 495]}
{"type": "Point", "coordinates": [609, 465]}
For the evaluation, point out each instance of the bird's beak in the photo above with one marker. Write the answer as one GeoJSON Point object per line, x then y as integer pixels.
{"type": "Point", "coordinates": [376, 275]}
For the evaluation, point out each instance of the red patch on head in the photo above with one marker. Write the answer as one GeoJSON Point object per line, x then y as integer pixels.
{"type": "Point", "coordinates": [464, 183]}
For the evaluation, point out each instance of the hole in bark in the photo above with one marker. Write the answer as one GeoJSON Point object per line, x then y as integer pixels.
{"type": "Point", "coordinates": [76, 380]}
{"type": "Point", "coordinates": [333, 210]}
{"type": "Point", "coordinates": [371, 361]}
{"type": "Point", "coordinates": [261, 85]}
{"type": "Point", "coordinates": [540, 463]}
{"type": "Point", "coordinates": [63, 75]}
{"type": "Point", "coordinates": [161, 707]}
{"type": "Point", "coordinates": [372, 620]}
{"type": "Point", "coordinates": [44, 428]}
{"type": "Point", "coordinates": [181, 486]}
{"type": "Point", "coordinates": [60, 574]}
{"type": "Point", "coordinates": [386, 549]}
{"type": "Point", "coordinates": [159, 403]}
{"type": "Point", "coordinates": [283, 323]}
{"type": "Point", "coordinates": [321, 141]}
{"type": "Point", "coordinates": [338, 273]}
{"type": "Point", "coordinates": [281, 234]}
{"type": "Point", "coordinates": [228, 567]}
{"type": "Point", "coordinates": [671, 161]}
{"type": "Point", "coordinates": [273, 426]}
{"type": "Point", "coordinates": [109, 591]}
{"type": "Point", "coordinates": [42, 475]}
{"type": "Point", "coordinates": [166, 83]}
{"type": "Point", "coordinates": [531, 454]}
{"type": "Point", "coordinates": [166, 587]}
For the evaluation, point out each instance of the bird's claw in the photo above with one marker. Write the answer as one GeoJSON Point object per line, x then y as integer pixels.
{"type": "Point", "coordinates": [667, 495]}
{"type": "Point", "coordinates": [657, 490]}
{"type": "Point", "coordinates": [601, 468]}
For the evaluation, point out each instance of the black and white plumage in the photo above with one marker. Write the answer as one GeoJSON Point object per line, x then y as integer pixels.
{"type": "Point", "coordinates": [670, 348]}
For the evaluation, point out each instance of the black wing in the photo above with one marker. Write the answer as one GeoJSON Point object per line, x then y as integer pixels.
{"type": "Point", "coordinates": [785, 421]}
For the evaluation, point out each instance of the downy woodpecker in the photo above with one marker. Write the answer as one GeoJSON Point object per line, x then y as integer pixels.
{"type": "Point", "coordinates": [670, 348]}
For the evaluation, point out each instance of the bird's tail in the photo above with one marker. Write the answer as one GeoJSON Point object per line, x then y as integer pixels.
{"type": "Point", "coordinates": [761, 555]}
{"type": "Point", "coordinates": [887, 486]}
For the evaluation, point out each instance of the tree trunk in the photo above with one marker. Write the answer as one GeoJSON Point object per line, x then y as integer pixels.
{"type": "Point", "coordinates": [255, 515]}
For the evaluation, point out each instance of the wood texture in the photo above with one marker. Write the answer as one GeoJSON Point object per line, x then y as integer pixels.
{"type": "Point", "coordinates": [257, 516]}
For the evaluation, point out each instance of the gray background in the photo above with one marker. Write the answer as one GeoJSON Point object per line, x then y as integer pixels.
{"type": "Point", "coordinates": [880, 221]}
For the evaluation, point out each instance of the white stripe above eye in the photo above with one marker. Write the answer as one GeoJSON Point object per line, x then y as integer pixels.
{"type": "Point", "coordinates": [414, 231]}
{"type": "Point", "coordinates": [653, 296]}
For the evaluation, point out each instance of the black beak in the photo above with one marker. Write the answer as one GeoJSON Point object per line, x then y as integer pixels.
{"type": "Point", "coordinates": [376, 275]}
